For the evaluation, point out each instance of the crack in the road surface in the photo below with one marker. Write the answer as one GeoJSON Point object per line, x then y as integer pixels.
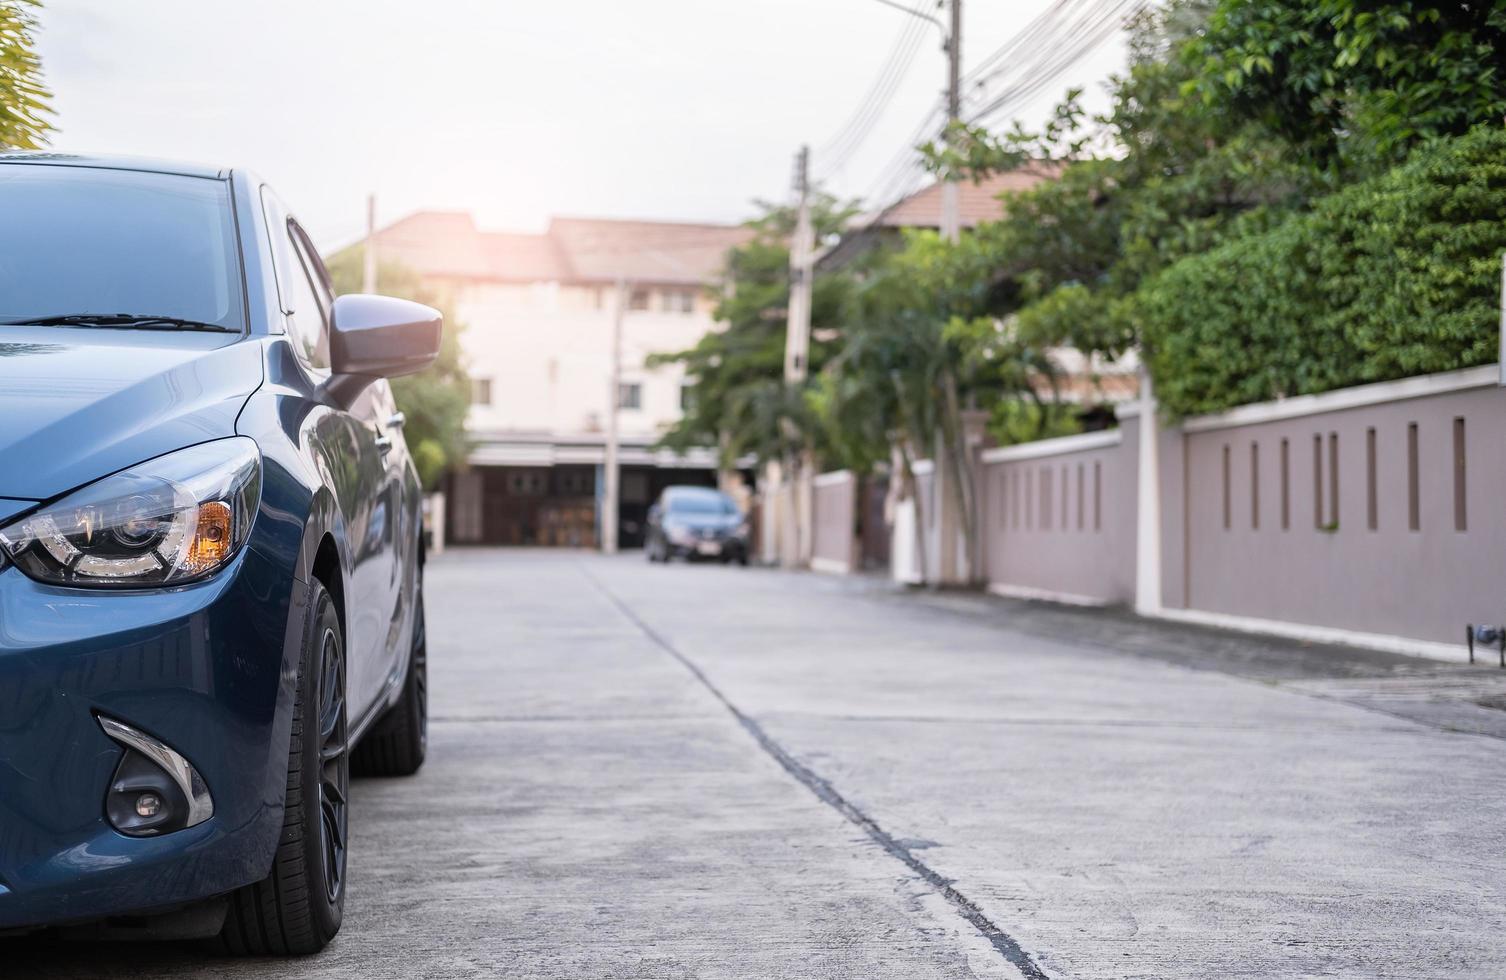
{"type": "Point", "coordinates": [1004, 944]}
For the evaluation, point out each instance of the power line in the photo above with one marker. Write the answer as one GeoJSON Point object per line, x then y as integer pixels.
{"type": "Point", "coordinates": [907, 159]}
{"type": "Point", "coordinates": [1026, 36]}
{"type": "Point", "coordinates": [837, 150]}
{"type": "Point", "coordinates": [1082, 36]}
{"type": "Point", "coordinates": [1053, 43]}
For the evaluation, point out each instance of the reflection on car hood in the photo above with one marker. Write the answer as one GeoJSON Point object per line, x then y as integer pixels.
{"type": "Point", "coordinates": [77, 404]}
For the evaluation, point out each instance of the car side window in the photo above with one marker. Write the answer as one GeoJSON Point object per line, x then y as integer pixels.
{"type": "Point", "coordinates": [306, 306]}
{"type": "Point", "coordinates": [310, 314]}
{"type": "Point", "coordinates": [318, 274]}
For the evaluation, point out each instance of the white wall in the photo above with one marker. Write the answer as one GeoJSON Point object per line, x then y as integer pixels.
{"type": "Point", "coordinates": [547, 349]}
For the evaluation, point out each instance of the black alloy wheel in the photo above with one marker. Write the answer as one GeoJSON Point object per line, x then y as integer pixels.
{"type": "Point", "coordinates": [297, 909]}
{"type": "Point", "coordinates": [334, 767]}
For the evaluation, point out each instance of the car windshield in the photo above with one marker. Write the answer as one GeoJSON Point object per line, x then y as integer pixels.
{"type": "Point", "coordinates": [706, 503]}
{"type": "Point", "coordinates": [86, 243]}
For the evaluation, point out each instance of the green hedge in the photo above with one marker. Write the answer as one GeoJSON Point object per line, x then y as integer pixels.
{"type": "Point", "coordinates": [1392, 277]}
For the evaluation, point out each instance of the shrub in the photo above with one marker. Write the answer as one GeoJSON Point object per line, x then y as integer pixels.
{"type": "Point", "coordinates": [1395, 276]}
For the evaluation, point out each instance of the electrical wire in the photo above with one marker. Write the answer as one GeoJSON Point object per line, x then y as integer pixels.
{"type": "Point", "coordinates": [1052, 44]}
{"type": "Point", "coordinates": [836, 152]}
{"type": "Point", "coordinates": [1027, 79]}
{"type": "Point", "coordinates": [1025, 37]}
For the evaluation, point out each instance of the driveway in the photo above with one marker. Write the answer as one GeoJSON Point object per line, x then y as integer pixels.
{"type": "Point", "coordinates": [643, 771]}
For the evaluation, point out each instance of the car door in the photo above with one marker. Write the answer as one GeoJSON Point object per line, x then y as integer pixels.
{"type": "Point", "coordinates": [378, 495]}
{"type": "Point", "coordinates": [347, 442]}
{"type": "Point", "coordinates": [400, 496]}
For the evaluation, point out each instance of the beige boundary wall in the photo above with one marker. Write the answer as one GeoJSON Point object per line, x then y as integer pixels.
{"type": "Point", "coordinates": [1373, 515]}
{"type": "Point", "coordinates": [1058, 517]}
{"type": "Point", "coordinates": [834, 523]}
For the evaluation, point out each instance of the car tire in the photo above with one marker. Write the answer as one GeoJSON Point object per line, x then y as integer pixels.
{"type": "Point", "coordinates": [297, 909]}
{"type": "Point", "coordinates": [396, 746]}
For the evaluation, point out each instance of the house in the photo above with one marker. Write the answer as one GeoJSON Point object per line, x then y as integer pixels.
{"type": "Point", "coordinates": [538, 311]}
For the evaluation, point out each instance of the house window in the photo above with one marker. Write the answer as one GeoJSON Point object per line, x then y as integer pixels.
{"type": "Point", "coordinates": [481, 391]}
{"type": "Point", "coordinates": [527, 483]}
{"type": "Point", "coordinates": [678, 301]}
{"type": "Point", "coordinates": [687, 396]}
{"type": "Point", "coordinates": [638, 299]}
{"type": "Point", "coordinates": [630, 395]}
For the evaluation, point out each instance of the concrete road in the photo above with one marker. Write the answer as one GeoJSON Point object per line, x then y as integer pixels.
{"type": "Point", "coordinates": [671, 772]}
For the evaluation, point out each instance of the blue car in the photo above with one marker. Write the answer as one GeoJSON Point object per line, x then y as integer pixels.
{"type": "Point", "coordinates": [211, 556]}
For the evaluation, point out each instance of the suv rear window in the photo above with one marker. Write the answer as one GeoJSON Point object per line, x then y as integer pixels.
{"type": "Point", "coordinates": [76, 240]}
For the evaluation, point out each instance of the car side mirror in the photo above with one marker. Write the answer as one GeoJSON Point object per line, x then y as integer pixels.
{"type": "Point", "coordinates": [653, 513]}
{"type": "Point", "coordinates": [375, 337]}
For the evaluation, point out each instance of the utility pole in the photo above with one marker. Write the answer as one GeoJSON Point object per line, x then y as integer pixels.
{"type": "Point", "coordinates": [797, 357]}
{"type": "Point", "coordinates": [369, 269]}
{"type": "Point", "coordinates": [951, 219]}
{"type": "Point", "coordinates": [955, 551]}
{"type": "Point", "coordinates": [611, 475]}
{"type": "Point", "coordinates": [802, 255]}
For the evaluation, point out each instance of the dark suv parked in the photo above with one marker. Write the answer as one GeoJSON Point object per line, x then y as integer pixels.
{"type": "Point", "coordinates": [211, 606]}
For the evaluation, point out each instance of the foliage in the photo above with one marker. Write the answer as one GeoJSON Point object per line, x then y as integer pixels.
{"type": "Point", "coordinates": [1355, 83]}
{"type": "Point", "coordinates": [1234, 213]}
{"type": "Point", "coordinates": [922, 343]}
{"type": "Point", "coordinates": [739, 402]}
{"type": "Point", "coordinates": [1173, 177]}
{"type": "Point", "coordinates": [24, 100]}
{"type": "Point", "coordinates": [1015, 421]}
{"type": "Point", "coordinates": [1394, 276]}
{"type": "Point", "coordinates": [436, 400]}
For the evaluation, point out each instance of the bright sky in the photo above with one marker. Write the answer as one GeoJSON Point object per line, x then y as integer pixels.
{"type": "Point", "coordinates": [673, 109]}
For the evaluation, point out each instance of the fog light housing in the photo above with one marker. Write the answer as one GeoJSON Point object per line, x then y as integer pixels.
{"type": "Point", "coordinates": [155, 790]}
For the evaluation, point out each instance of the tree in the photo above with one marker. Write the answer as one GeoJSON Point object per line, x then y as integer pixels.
{"type": "Point", "coordinates": [1161, 175]}
{"type": "Point", "coordinates": [923, 342]}
{"type": "Point", "coordinates": [435, 400]}
{"type": "Point", "coordinates": [1354, 84]}
{"type": "Point", "coordinates": [739, 402]}
{"type": "Point", "coordinates": [24, 100]}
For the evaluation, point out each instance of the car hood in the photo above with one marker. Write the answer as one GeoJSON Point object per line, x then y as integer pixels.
{"type": "Point", "coordinates": [77, 404]}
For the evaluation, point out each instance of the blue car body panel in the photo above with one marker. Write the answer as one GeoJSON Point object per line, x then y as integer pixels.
{"type": "Point", "coordinates": [200, 666]}
{"type": "Point", "coordinates": [80, 403]}
{"type": "Point", "coordinates": [210, 668]}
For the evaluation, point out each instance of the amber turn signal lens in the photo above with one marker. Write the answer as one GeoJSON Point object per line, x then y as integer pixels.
{"type": "Point", "coordinates": [212, 538]}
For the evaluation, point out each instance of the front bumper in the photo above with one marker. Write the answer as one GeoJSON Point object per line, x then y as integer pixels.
{"type": "Point", "coordinates": [713, 547]}
{"type": "Point", "coordinates": [204, 669]}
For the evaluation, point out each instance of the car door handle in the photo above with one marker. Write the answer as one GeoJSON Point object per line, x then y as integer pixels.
{"type": "Point", "coordinates": [396, 420]}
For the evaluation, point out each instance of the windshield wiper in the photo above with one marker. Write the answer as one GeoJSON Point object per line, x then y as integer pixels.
{"type": "Point", "coordinates": [136, 321]}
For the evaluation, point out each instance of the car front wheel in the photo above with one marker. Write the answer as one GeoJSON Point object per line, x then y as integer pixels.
{"type": "Point", "coordinates": [296, 910]}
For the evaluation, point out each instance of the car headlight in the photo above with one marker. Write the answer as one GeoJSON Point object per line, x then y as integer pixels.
{"type": "Point", "coordinates": [169, 520]}
{"type": "Point", "coordinates": [679, 534]}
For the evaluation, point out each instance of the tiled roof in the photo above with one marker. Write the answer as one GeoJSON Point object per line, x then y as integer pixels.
{"type": "Point", "coordinates": [448, 244]}
{"type": "Point", "coordinates": [976, 202]}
